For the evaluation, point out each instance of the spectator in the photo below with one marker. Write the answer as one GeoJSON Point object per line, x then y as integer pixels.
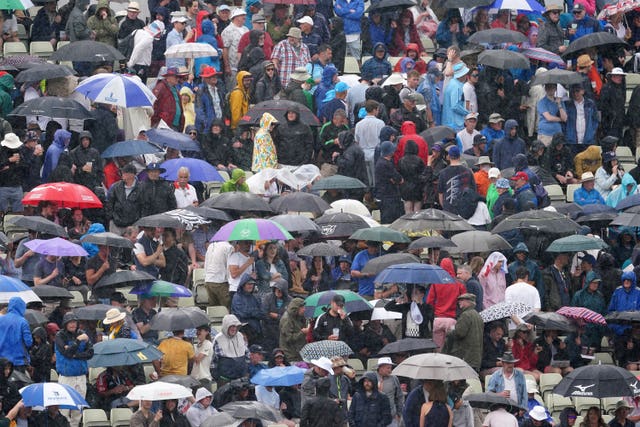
{"type": "Point", "coordinates": [318, 276]}
{"type": "Point", "coordinates": [365, 280]}
{"type": "Point", "coordinates": [609, 174]}
{"type": "Point", "coordinates": [509, 382]}
{"type": "Point", "coordinates": [369, 407]}
{"type": "Point", "coordinates": [157, 193]}
{"type": "Point", "coordinates": [551, 115]}
{"type": "Point", "coordinates": [465, 340]}
{"type": "Point", "coordinates": [411, 168]}
{"type": "Point", "coordinates": [290, 54]}
{"type": "Point", "coordinates": [104, 24]}
{"type": "Point", "coordinates": [352, 161]}
{"type": "Point", "coordinates": [165, 108]}
{"type": "Point", "coordinates": [124, 201]}
{"type": "Point", "coordinates": [247, 307]}
{"type": "Point", "coordinates": [293, 329]}
{"type": "Point", "coordinates": [351, 12]}
{"type": "Point", "coordinates": [231, 36]}
{"type": "Point", "coordinates": [523, 291]}
{"type": "Point", "coordinates": [451, 30]}
{"type": "Point", "coordinates": [239, 97]}
{"type": "Point", "coordinates": [45, 26]}
{"type": "Point", "coordinates": [15, 335]}
{"type": "Point", "coordinates": [388, 181]}
{"type": "Point", "coordinates": [453, 106]}
{"type": "Point", "coordinates": [294, 140]}
{"type": "Point", "coordinates": [612, 103]}
{"type": "Point", "coordinates": [143, 40]}
{"type": "Point", "coordinates": [453, 181]}
{"type": "Point", "coordinates": [582, 131]}
{"type": "Point", "coordinates": [556, 283]}
{"type": "Point", "coordinates": [524, 195]}
{"type": "Point", "coordinates": [178, 356]}
{"type": "Point", "coordinates": [506, 148]}
{"type": "Point", "coordinates": [493, 279]}
{"type": "Point", "coordinates": [333, 325]}
{"type": "Point", "coordinates": [521, 253]}
{"type": "Point", "coordinates": [131, 22]}
{"type": "Point", "coordinates": [551, 36]}
{"type": "Point", "coordinates": [201, 409]}
{"type": "Point", "coordinates": [587, 194]}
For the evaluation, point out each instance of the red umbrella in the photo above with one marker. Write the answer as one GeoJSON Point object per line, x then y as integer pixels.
{"type": "Point", "coordinates": [65, 194]}
{"type": "Point", "coordinates": [583, 314]}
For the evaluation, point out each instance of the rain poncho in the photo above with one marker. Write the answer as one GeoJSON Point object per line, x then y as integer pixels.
{"type": "Point", "coordinates": [61, 141]}
{"type": "Point", "coordinates": [620, 193]}
{"type": "Point", "coordinates": [15, 335]}
{"type": "Point", "coordinates": [493, 283]}
{"type": "Point", "coordinates": [232, 184]}
{"type": "Point", "coordinates": [188, 108]}
{"type": "Point", "coordinates": [264, 150]}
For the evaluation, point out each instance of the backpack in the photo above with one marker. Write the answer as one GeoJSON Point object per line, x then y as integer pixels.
{"type": "Point", "coordinates": [542, 196]}
{"type": "Point", "coordinates": [125, 45]}
{"type": "Point", "coordinates": [466, 203]}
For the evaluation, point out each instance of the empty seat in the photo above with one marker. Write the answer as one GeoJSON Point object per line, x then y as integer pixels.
{"type": "Point", "coordinates": [95, 418]}
{"type": "Point", "coordinates": [556, 403]}
{"type": "Point", "coordinates": [548, 382]}
{"type": "Point", "coordinates": [582, 404]}
{"type": "Point", "coordinates": [121, 417]}
{"type": "Point", "coordinates": [197, 277]}
{"type": "Point", "coordinates": [371, 364]}
{"type": "Point", "coordinates": [624, 154]}
{"type": "Point", "coordinates": [351, 65]}
{"type": "Point", "coordinates": [475, 386]}
{"type": "Point", "coordinates": [609, 404]}
{"type": "Point", "coordinates": [602, 358]}
{"type": "Point", "coordinates": [570, 189]}
{"type": "Point", "coordinates": [201, 294]}
{"type": "Point", "coordinates": [217, 312]}
{"type": "Point", "coordinates": [93, 374]}
{"type": "Point", "coordinates": [53, 376]}
{"type": "Point", "coordinates": [555, 193]}
{"type": "Point", "coordinates": [186, 302]}
{"type": "Point", "coordinates": [14, 48]}
{"type": "Point", "coordinates": [43, 49]}
{"type": "Point", "coordinates": [357, 366]}
{"type": "Point", "coordinates": [78, 299]}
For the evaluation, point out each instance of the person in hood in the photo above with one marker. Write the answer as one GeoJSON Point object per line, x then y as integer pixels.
{"type": "Point", "coordinates": [590, 160]}
{"type": "Point", "coordinates": [612, 102]}
{"type": "Point", "coordinates": [412, 51]}
{"type": "Point", "coordinates": [294, 140]}
{"type": "Point", "coordinates": [230, 350]}
{"type": "Point", "coordinates": [405, 31]}
{"type": "Point", "coordinates": [104, 24]}
{"type": "Point", "coordinates": [293, 329]}
{"type": "Point", "coordinates": [144, 42]}
{"type": "Point", "coordinates": [87, 161]}
{"type": "Point", "coordinates": [327, 82]}
{"type": "Point", "coordinates": [626, 243]}
{"type": "Point", "coordinates": [590, 297]}
{"type": "Point", "coordinates": [521, 253]}
{"type": "Point", "coordinates": [409, 133]}
{"type": "Point", "coordinates": [76, 27]}
{"type": "Point", "coordinates": [275, 306]}
{"type": "Point", "coordinates": [253, 54]}
{"type": "Point", "coordinates": [506, 148]}
{"type": "Point", "coordinates": [451, 31]}
{"type": "Point", "coordinates": [625, 298]}
{"type": "Point", "coordinates": [187, 100]}
{"type": "Point", "coordinates": [15, 335]}
{"type": "Point", "coordinates": [369, 407]}
{"type": "Point", "coordinates": [216, 146]}
{"type": "Point", "coordinates": [264, 150]}
{"type": "Point", "coordinates": [239, 97]}
{"type": "Point", "coordinates": [209, 37]}
{"type": "Point", "coordinates": [377, 66]}
{"type": "Point", "coordinates": [351, 162]}
{"type": "Point", "coordinates": [520, 164]}
{"type": "Point", "coordinates": [558, 160]}
{"type": "Point", "coordinates": [60, 144]}
{"type": "Point", "coordinates": [411, 167]}
{"type": "Point", "coordinates": [268, 84]}
{"type": "Point", "coordinates": [246, 306]}
{"type": "Point", "coordinates": [453, 105]}
{"type": "Point", "coordinates": [236, 183]}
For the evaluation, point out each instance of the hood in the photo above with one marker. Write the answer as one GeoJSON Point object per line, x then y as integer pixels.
{"type": "Point", "coordinates": [388, 131]}
{"type": "Point", "coordinates": [61, 138]}
{"type": "Point", "coordinates": [564, 415]}
{"type": "Point", "coordinates": [166, 13]}
{"type": "Point", "coordinates": [208, 27]}
{"type": "Point", "coordinates": [371, 376]}
{"type": "Point", "coordinates": [629, 275]}
{"type": "Point", "coordinates": [39, 332]}
{"type": "Point", "coordinates": [186, 91]}
{"type": "Point", "coordinates": [590, 277]}
{"type": "Point", "coordinates": [337, 25]}
{"type": "Point", "coordinates": [327, 75]}
{"type": "Point", "coordinates": [414, 47]}
{"type": "Point", "coordinates": [407, 64]}
{"type": "Point", "coordinates": [627, 179]}
{"type": "Point", "coordinates": [294, 305]}
{"type": "Point", "coordinates": [557, 139]}
{"type": "Point", "coordinates": [520, 162]}
{"type": "Point", "coordinates": [452, 13]}
{"type": "Point", "coordinates": [190, 128]}
{"type": "Point", "coordinates": [283, 285]}
{"type": "Point", "coordinates": [228, 321]}
{"type": "Point", "coordinates": [510, 124]}
{"type": "Point", "coordinates": [6, 82]}
{"type": "Point", "coordinates": [294, 109]}
{"type": "Point", "coordinates": [374, 92]}
{"type": "Point", "coordinates": [96, 227]}
{"type": "Point", "coordinates": [17, 306]}
{"type": "Point", "coordinates": [103, 4]}
{"type": "Point", "coordinates": [411, 148]}
{"type": "Point", "coordinates": [241, 75]}
{"type": "Point", "coordinates": [266, 121]}
{"type": "Point", "coordinates": [408, 128]}
{"type": "Point", "coordinates": [447, 265]}
{"type": "Point", "coordinates": [254, 37]}
{"type": "Point", "coordinates": [236, 175]}
{"type": "Point", "coordinates": [82, 4]}
{"type": "Point", "coordinates": [593, 152]}
{"type": "Point", "coordinates": [85, 134]}
{"type": "Point", "coordinates": [346, 139]}
{"type": "Point", "coordinates": [384, 46]}
{"type": "Point", "coordinates": [521, 247]}
{"type": "Point", "coordinates": [629, 231]}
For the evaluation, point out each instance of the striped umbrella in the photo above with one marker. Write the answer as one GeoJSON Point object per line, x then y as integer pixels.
{"type": "Point", "coordinates": [10, 287]}
{"type": "Point", "coordinates": [543, 55]}
{"type": "Point", "coordinates": [582, 314]}
{"type": "Point", "coordinates": [251, 229]}
{"type": "Point", "coordinates": [117, 89]}
{"type": "Point", "coordinates": [52, 394]}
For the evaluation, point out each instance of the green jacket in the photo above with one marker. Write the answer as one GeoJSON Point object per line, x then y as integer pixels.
{"type": "Point", "coordinates": [106, 29]}
{"type": "Point", "coordinates": [466, 338]}
{"type": "Point", "coordinates": [291, 337]}
{"type": "Point", "coordinates": [6, 87]}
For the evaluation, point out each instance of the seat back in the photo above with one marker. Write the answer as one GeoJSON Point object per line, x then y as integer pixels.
{"type": "Point", "coordinates": [582, 404]}
{"type": "Point", "coordinates": [548, 382]}
{"type": "Point", "coordinates": [217, 312]}
{"type": "Point", "coordinates": [570, 189]}
{"type": "Point", "coordinates": [120, 417]}
{"type": "Point", "coordinates": [14, 48]}
{"type": "Point", "coordinates": [556, 403]}
{"type": "Point", "coordinates": [357, 366]}
{"type": "Point", "coordinates": [95, 418]}
{"type": "Point", "coordinates": [555, 193]}
{"type": "Point", "coordinates": [42, 49]}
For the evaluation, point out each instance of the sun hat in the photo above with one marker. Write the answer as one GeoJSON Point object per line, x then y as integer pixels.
{"type": "Point", "coordinates": [531, 385]}
{"type": "Point", "coordinates": [471, 116]}
{"type": "Point", "coordinates": [295, 32]}
{"type": "Point", "coordinates": [237, 12]}
{"type": "Point", "coordinates": [616, 72]}
{"type": "Point", "coordinates": [587, 176]}
{"type": "Point", "coordinates": [552, 7]}
{"type": "Point", "coordinates": [502, 183]}
{"type": "Point", "coordinates": [209, 71]}
{"type": "Point", "coordinates": [622, 404]}
{"type": "Point", "coordinates": [395, 79]}
{"type": "Point", "coordinates": [495, 118]}
{"type": "Point", "coordinates": [171, 71]}
{"type": "Point", "coordinates": [484, 160]}
{"type": "Point", "coordinates": [114, 315]}
{"type": "Point", "coordinates": [323, 363]}
{"type": "Point", "coordinates": [460, 70]}
{"type": "Point", "coordinates": [538, 413]}
{"type": "Point", "coordinates": [584, 61]}
{"type": "Point", "coordinates": [384, 361]}
{"type": "Point", "coordinates": [133, 7]}
{"type": "Point", "coordinates": [11, 141]}
{"type": "Point", "coordinates": [222, 8]}
{"type": "Point", "coordinates": [507, 357]}
{"type": "Point", "coordinates": [305, 20]}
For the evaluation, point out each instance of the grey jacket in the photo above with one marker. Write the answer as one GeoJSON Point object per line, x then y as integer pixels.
{"type": "Point", "coordinates": [77, 23]}
{"type": "Point", "coordinates": [550, 37]}
{"type": "Point", "coordinates": [391, 389]}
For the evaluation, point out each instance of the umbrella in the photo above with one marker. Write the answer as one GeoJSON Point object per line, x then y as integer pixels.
{"type": "Point", "coordinates": [8, 67]}
{"type": "Point", "coordinates": [627, 220]}
{"type": "Point", "coordinates": [591, 213]}
{"type": "Point", "coordinates": [251, 229]}
{"type": "Point", "coordinates": [548, 321]}
{"type": "Point", "coordinates": [503, 59]}
{"type": "Point", "coordinates": [628, 202]}
{"type": "Point", "coordinates": [538, 221]}
{"type": "Point", "coordinates": [408, 345]}
{"type": "Point", "coordinates": [54, 107]}
{"type": "Point", "coordinates": [543, 55]}
{"type": "Point", "coordinates": [316, 304]}
{"type": "Point", "coordinates": [521, 5]}
{"type": "Point", "coordinates": [465, 4]}
{"type": "Point", "coordinates": [390, 5]}
{"type": "Point", "coordinates": [380, 234]}
{"type": "Point", "coordinates": [598, 381]}
{"type": "Point", "coordinates": [92, 312]}
{"type": "Point", "coordinates": [299, 201]}
{"type": "Point", "coordinates": [130, 149]}
{"type": "Point", "coordinates": [557, 76]}
{"type": "Point", "coordinates": [107, 239]}
{"type": "Point", "coordinates": [570, 209]}
{"type": "Point", "coordinates": [51, 293]}
{"type": "Point", "coordinates": [20, 62]}
{"type": "Point", "coordinates": [44, 72]}
{"type": "Point", "coordinates": [340, 225]}
{"type": "Point", "coordinates": [252, 409]}
{"type": "Point", "coordinates": [424, 274]}
{"type": "Point", "coordinates": [338, 182]}
{"type": "Point", "coordinates": [325, 348]}
{"type": "Point", "coordinates": [278, 109]}
{"type": "Point", "coordinates": [123, 352]}
{"type": "Point", "coordinates": [199, 170]}
{"type": "Point", "coordinates": [423, 222]}
{"type": "Point", "coordinates": [437, 133]}
{"type": "Point", "coordinates": [322, 249]}
{"type": "Point", "coordinates": [35, 317]}
{"type": "Point", "coordinates": [38, 224]}
{"type": "Point", "coordinates": [378, 264]}
{"type": "Point", "coordinates": [177, 218]}
{"type": "Point", "coordinates": [601, 40]}
{"type": "Point", "coordinates": [184, 380]}
{"type": "Point", "coordinates": [576, 243]}
{"type": "Point", "coordinates": [211, 214]}
{"type": "Point", "coordinates": [488, 400]}
{"type": "Point", "coordinates": [15, 4]}
{"type": "Point", "coordinates": [52, 394]}
{"type": "Point", "coordinates": [381, 313]}
{"type": "Point", "coordinates": [435, 366]}
{"type": "Point", "coordinates": [238, 201]}
{"type": "Point", "coordinates": [503, 310]}
{"type": "Point", "coordinates": [296, 223]}
{"type": "Point", "coordinates": [190, 50]}
{"type": "Point", "coordinates": [280, 376]}
{"type": "Point", "coordinates": [173, 319]}
{"type": "Point", "coordinates": [87, 51]}
{"type": "Point", "coordinates": [11, 287]}
{"type": "Point", "coordinates": [582, 314]}
{"type": "Point", "coordinates": [479, 241]}
{"type": "Point", "coordinates": [123, 278]}
{"type": "Point", "coordinates": [64, 194]}
{"type": "Point", "coordinates": [352, 206]}
{"type": "Point", "coordinates": [622, 317]}
{"type": "Point", "coordinates": [117, 89]}
{"type": "Point", "coordinates": [161, 288]}
{"type": "Point", "coordinates": [56, 246]}
{"type": "Point", "coordinates": [224, 419]}
{"type": "Point", "coordinates": [497, 36]}
{"type": "Point", "coordinates": [431, 242]}
{"type": "Point", "coordinates": [172, 139]}
{"type": "Point", "coordinates": [159, 390]}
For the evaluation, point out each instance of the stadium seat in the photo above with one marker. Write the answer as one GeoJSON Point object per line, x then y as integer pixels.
{"type": "Point", "coordinates": [53, 376]}
{"type": "Point", "coordinates": [570, 189]}
{"type": "Point", "coordinates": [609, 404]}
{"type": "Point", "coordinates": [602, 359]}
{"type": "Point", "coordinates": [94, 373]}
{"type": "Point", "coordinates": [186, 302]}
{"type": "Point", "coordinates": [357, 366]}
{"type": "Point", "coordinates": [582, 404]}
{"type": "Point", "coordinates": [42, 49]}
{"type": "Point", "coordinates": [216, 313]}
{"type": "Point", "coordinates": [351, 65]}
{"type": "Point", "coordinates": [555, 193]}
{"type": "Point", "coordinates": [556, 403]}
{"type": "Point", "coordinates": [201, 295]}
{"type": "Point", "coordinates": [77, 301]}
{"type": "Point", "coordinates": [95, 418]}
{"type": "Point", "coordinates": [120, 417]}
{"type": "Point", "coordinates": [475, 386]}
{"type": "Point", "coordinates": [624, 154]}
{"type": "Point", "coordinates": [371, 364]}
{"type": "Point", "coordinates": [197, 277]}
{"type": "Point", "coordinates": [548, 382]}
{"type": "Point", "coordinates": [14, 48]}
{"type": "Point", "coordinates": [148, 370]}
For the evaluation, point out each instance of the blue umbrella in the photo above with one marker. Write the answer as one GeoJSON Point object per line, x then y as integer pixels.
{"type": "Point", "coordinates": [160, 288]}
{"type": "Point", "coordinates": [56, 246]}
{"type": "Point", "coordinates": [123, 352]}
{"type": "Point", "coordinates": [279, 376]}
{"type": "Point", "coordinates": [10, 287]}
{"type": "Point", "coordinates": [117, 89]}
{"type": "Point", "coordinates": [520, 5]}
{"type": "Point", "coordinates": [414, 273]}
{"type": "Point", "coordinates": [52, 394]}
{"type": "Point", "coordinates": [199, 170]}
{"type": "Point", "coordinates": [136, 147]}
{"type": "Point", "coordinates": [171, 138]}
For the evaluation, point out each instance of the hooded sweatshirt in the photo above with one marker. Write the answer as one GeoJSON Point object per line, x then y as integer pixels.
{"type": "Point", "coordinates": [60, 143]}
{"type": "Point", "coordinates": [106, 29]}
{"type": "Point", "coordinates": [408, 132]}
{"type": "Point", "coordinates": [209, 37]}
{"type": "Point", "coordinates": [230, 346]}
{"type": "Point", "coordinates": [15, 335]}
{"type": "Point", "coordinates": [325, 85]}
{"type": "Point", "coordinates": [620, 193]}
{"type": "Point", "coordinates": [294, 141]}
{"type": "Point", "coordinates": [369, 410]}
{"type": "Point", "coordinates": [80, 156]}
{"type": "Point", "coordinates": [239, 99]}
{"type": "Point", "coordinates": [292, 339]}
{"type": "Point", "coordinates": [375, 67]}
{"type": "Point", "coordinates": [625, 299]}
{"type": "Point", "coordinates": [6, 87]}
{"type": "Point", "coordinates": [246, 306]}
{"type": "Point", "coordinates": [588, 161]}
{"type": "Point", "coordinates": [505, 149]}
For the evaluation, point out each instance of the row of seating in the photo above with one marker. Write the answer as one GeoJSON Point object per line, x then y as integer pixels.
{"type": "Point", "coordinates": [118, 417]}
{"type": "Point", "coordinates": [41, 49]}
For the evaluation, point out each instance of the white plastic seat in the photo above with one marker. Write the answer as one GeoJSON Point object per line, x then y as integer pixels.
{"type": "Point", "coordinates": [95, 418]}
{"type": "Point", "coordinates": [120, 417]}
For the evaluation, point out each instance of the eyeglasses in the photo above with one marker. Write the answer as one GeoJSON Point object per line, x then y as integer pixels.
{"type": "Point", "coordinates": [577, 12]}
{"type": "Point", "coordinates": [475, 75]}
{"type": "Point", "coordinates": [270, 69]}
{"type": "Point", "coordinates": [193, 133]}
{"type": "Point", "coordinates": [554, 12]}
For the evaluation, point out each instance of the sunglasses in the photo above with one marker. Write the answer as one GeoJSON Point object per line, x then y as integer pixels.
{"type": "Point", "coordinates": [577, 12]}
{"type": "Point", "coordinates": [270, 69]}
{"type": "Point", "coordinates": [193, 133]}
{"type": "Point", "coordinates": [475, 75]}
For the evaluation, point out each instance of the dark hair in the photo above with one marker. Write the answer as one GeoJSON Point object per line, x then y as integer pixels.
{"type": "Point", "coordinates": [522, 273]}
{"type": "Point", "coordinates": [323, 47]}
{"type": "Point", "coordinates": [370, 105]}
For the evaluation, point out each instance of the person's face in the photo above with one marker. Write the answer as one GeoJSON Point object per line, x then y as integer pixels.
{"type": "Point", "coordinates": [291, 115]}
{"type": "Point", "coordinates": [294, 41]}
{"type": "Point", "coordinates": [185, 98]}
{"type": "Point", "coordinates": [306, 28]}
{"type": "Point", "coordinates": [171, 404]}
{"type": "Point", "coordinates": [562, 259]}
{"type": "Point", "coordinates": [496, 126]}
{"type": "Point", "coordinates": [376, 18]}
{"type": "Point", "coordinates": [256, 358]}
{"type": "Point", "coordinates": [593, 286]}
{"type": "Point", "coordinates": [172, 80]}
{"type": "Point", "coordinates": [508, 367]}
{"type": "Point", "coordinates": [554, 16]}
{"type": "Point", "coordinates": [368, 385]}
{"type": "Point", "coordinates": [470, 124]}
{"type": "Point", "coordinates": [77, 215]}
{"type": "Point", "coordinates": [153, 175]}
{"type": "Point", "coordinates": [246, 82]}
{"type": "Point", "coordinates": [616, 79]}
{"type": "Point", "coordinates": [232, 330]}
{"type": "Point", "coordinates": [193, 10]}
{"type": "Point", "coordinates": [578, 94]}
{"type": "Point", "coordinates": [206, 401]}
{"type": "Point", "coordinates": [85, 142]}
{"type": "Point", "coordinates": [496, 334]}
{"type": "Point", "coordinates": [385, 370]}
{"type": "Point", "coordinates": [130, 14]}
{"type": "Point", "coordinates": [336, 306]}
{"type": "Point", "coordinates": [380, 53]}
{"type": "Point", "coordinates": [72, 326]}
{"type": "Point", "coordinates": [248, 287]}
{"type": "Point", "coordinates": [413, 82]}
{"type": "Point", "coordinates": [345, 266]}
{"type": "Point", "coordinates": [593, 414]}
{"type": "Point", "coordinates": [626, 283]}
{"type": "Point", "coordinates": [463, 275]}
{"type": "Point", "coordinates": [578, 14]}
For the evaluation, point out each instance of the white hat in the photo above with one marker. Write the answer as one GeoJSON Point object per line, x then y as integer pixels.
{"type": "Point", "coordinates": [494, 173]}
{"type": "Point", "coordinates": [114, 315]}
{"type": "Point", "coordinates": [133, 7]}
{"type": "Point", "coordinates": [471, 116]}
{"type": "Point", "coordinates": [538, 413]}
{"type": "Point", "coordinates": [179, 19]}
{"type": "Point", "coordinates": [532, 387]}
{"type": "Point", "coordinates": [223, 7]}
{"type": "Point", "coordinates": [587, 176]}
{"type": "Point", "coordinates": [384, 361]}
{"type": "Point", "coordinates": [11, 141]}
{"type": "Point", "coordinates": [201, 393]}
{"type": "Point", "coordinates": [324, 363]}
{"type": "Point", "coordinates": [616, 72]}
{"type": "Point", "coordinates": [305, 20]}
{"type": "Point", "coordinates": [395, 79]}
{"type": "Point", "coordinates": [237, 12]}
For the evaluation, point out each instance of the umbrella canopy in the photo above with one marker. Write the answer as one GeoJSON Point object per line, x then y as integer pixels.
{"type": "Point", "coordinates": [316, 304]}
{"type": "Point", "coordinates": [51, 293]}
{"type": "Point", "coordinates": [56, 246]}
{"type": "Point", "coordinates": [298, 201]}
{"type": "Point", "coordinates": [352, 206]}
{"type": "Point", "coordinates": [598, 381]}
{"type": "Point", "coordinates": [596, 213]}
{"type": "Point", "coordinates": [52, 106]}
{"type": "Point", "coordinates": [437, 133]}
{"type": "Point", "coordinates": [130, 149]}
{"type": "Point", "coordinates": [549, 321]}
{"type": "Point", "coordinates": [64, 194]}
{"type": "Point", "coordinates": [190, 50]}
{"type": "Point", "coordinates": [224, 419]}
{"type": "Point", "coordinates": [627, 220]}
{"type": "Point", "coordinates": [627, 202]}
{"type": "Point", "coordinates": [123, 352]}
{"type": "Point", "coordinates": [87, 51]}
{"type": "Point", "coordinates": [296, 223]}
{"type": "Point", "coordinates": [479, 241]}
{"type": "Point", "coordinates": [377, 265]}
{"type": "Point", "coordinates": [583, 315]}
{"type": "Point", "coordinates": [322, 249]}
{"type": "Point", "coordinates": [92, 312]}
{"type": "Point", "coordinates": [252, 409]}
{"type": "Point", "coordinates": [497, 36]}
{"type": "Point", "coordinates": [20, 62]}
{"type": "Point", "coordinates": [251, 229]}
{"type": "Point", "coordinates": [52, 394]}
{"type": "Point", "coordinates": [238, 201]}
{"type": "Point", "coordinates": [338, 182]}
{"type": "Point", "coordinates": [177, 218]}
{"type": "Point", "coordinates": [172, 139]}
{"type": "Point", "coordinates": [557, 76]}
{"type": "Point", "coordinates": [159, 390]}
{"type": "Point", "coordinates": [380, 234]}
{"type": "Point", "coordinates": [35, 317]}
{"type": "Point", "coordinates": [174, 319]}
{"type": "Point", "coordinates": [10, 287]}
{"type": "Point", "coordinates": [503, 59]}
{"type": "Point", "coordinates": [280, 376]}
{"type": "Point", "coordinates": [381, 313]}
{"type": "Point", "coordinates": [123, 278]}
{"type": "Point", "coordinates": [44, 72]}
{"type": "Point", "coordinates": [325, 348]}
{"type": "Point", "coordinates": [576, 243]}
{"type": "Point", "coordinates": [161, 288]}
{"type": "Point", "coordinates": [623, 317]}
{"type": "Point", "coordinates": [117, 89]}
{"type": "Point", "coordinates": [107, 239]}
{"type": "Point", "coordinates": [465, 4]}
{"type": "Point", "coordinates": [390, 5]}
{"type": "Point", "coordinates": [570, 209]}
{"type": "Point", "coordinates": [600, 40]}
{"type": "Point", "coordinates": [210, 213]}
{"type": "Point", "coordinates": [184, 380]}
{"type": "Point", "coordinates": [489, 400]}
{"type": "Point", "coordinates": [435, 366]}
{"type": "Point", "coordinates": [278, 109]}
{"type": "Point", "coordinates": [521, 5]}
{"type": "Point", "coordinates": [539, 221]}
{"type": "Point", "coordinates": [423, 222]}
{"type": "Point", "coordinates": [340, 225]}
{"type": "Point", "coordinates": [431, 242]}
{"type": "Point", "coordinates": [543, 55]}
{"type": "Point", "coordinates": [424, 274]}
{"type": "Point", "coordinates": [199, 170]}
{"type": "Point", "coordinates": [408, 345]}
{"type": "Point", "coordinates": [503, 310]}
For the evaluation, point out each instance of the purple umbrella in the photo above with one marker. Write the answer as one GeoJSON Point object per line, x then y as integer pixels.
{"type": "Point", "coordinates": [199, 170]}
{"type": "Point", "coordinates": [56, 246]}
{"type": "Point", "coordinates": [161, 288]}
{"type": "Point", "coordinates": [251, 229]}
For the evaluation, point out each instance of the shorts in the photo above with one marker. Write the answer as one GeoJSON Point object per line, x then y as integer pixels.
{"type": "Point", "coordinates": [354, 49]}
{"type": "Point", "coordinates": [11, 198]}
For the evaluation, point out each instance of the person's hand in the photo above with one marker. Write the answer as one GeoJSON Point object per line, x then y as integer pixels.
{"type": "Point", "coordinates": [283, 406]}
{"type": "Point", "coordinates": [561, 179]}
{"type": "Point", "coordinates": [305, 330]}
{"type": "Point", "coordinates": [562, 48]}
{"type": "Point", "coordinates": [453, 27]}
{"type": "Point", "coordinates": [500, 93]}
{"type": "Point", "coordinates": [393, 25]}
{"type": "Point", "coordinates": [76, 280]}
{"type": "Point", "coordinates": [335, 155]}
{"type": "Point", "coordinates": [88, 167]}
{"type": "Point", "coordinates": [105, 266]}
{"type": "Point", "coordinates": [332, 337]}
{"type": "Point", "coordinates": [82, 337]}
{"type": "Point", "coordinates": [237, 144]}
{"type": "Point", "coordinates": [29, 253]}
{"type": "Point", "coordinates": [15, 158]}
{"type": "Point", "coordinates": [158, 416]}
{"type": "Point", "coordinates": [55, 272]}
{"type": "Point", "coordinates": [614, 169]}
{"type": "Point", "coordinates": [273, 315]}
{"type": "Point", "coordinates": [505, 393]}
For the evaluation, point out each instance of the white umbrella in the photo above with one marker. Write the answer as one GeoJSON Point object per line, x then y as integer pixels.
{"type": "Point", "coordinates": [349, 206]}
{"type": "Point", "coordinates": [381, 313]}
{"type": "Point", "coordinates": [42, 395]}
{"type": "Point", "coordinates": [117, 89]}
{"type": "Point", "coordinates": [190, 50]}
{"type": "Point", "coordinates": [159, 391]}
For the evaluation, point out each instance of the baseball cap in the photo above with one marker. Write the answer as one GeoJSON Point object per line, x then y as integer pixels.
{"type": "Point", "coordinates": [305, 20]}
{"type": "Point", "coordinates": [341, 87]}
{"type": "Point", "coordinates": [222, 7]}
{"type": "Point", "coordinates": [520, 175]}
{"type": "Point", "coordinates": [494, 173]}
{"type": "Point", "coordinates": [454, 152]}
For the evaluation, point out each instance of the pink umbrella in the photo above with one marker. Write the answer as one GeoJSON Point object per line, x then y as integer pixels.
{"type": "Point", "coordinates": [582, 314]}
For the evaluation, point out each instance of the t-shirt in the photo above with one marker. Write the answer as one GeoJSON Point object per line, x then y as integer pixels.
{"type": "Point", "coordinates": [365, 285]}
{"type": "Point", "coordinates": [44, 268]}
{"type": "Point", "coordinates": [94, 263]}
{"type": "Point", "coordinates": [452, 180]}
{"type": "Point", "coordinates": [177, 353]}
{"type": "Point", "coordinates": [29, 266]}
{"type": "Point", "coordinates": [185, 196]}
{"type": "Point", "coordinates": [524, 293]}
{"type": "Point", "coordinates": [469, 92]}
{"type": "Point", "coordinates": [237, 258]}
{"type": "Point", "coordinates": [546, 127]}
{"type": "Point", "coordinates": [500, 418]}
{"type": "Point", "coordinates": [139, 316]}
{"type": "Point", "coordinates": [201, 369]}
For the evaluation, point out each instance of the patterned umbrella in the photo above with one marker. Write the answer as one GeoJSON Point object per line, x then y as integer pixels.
{"type": "Point", "coordinates": [326, 348]}
{"type": "Point", "coordinates": [582, 314]}
{"type": "Point", "coordinates": [116, 89]}
{"type": "Point", "coordinates": [252, 229]}
{"type": "Point", "coordinates": [543, 55]}
{"type": "Point", "coordinates": [503, 310]}
{"type": "Point", "coordinates": [316, 304]}
{"type": "Point", "coordinates": [160, 288]}
{"type": "Point", "coordinates": [177, 218]}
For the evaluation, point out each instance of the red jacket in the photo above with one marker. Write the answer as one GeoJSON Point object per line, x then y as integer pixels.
{"type": "Point", "coordinates": [165, 106]}
{"type": "Point", "coordinates": [408, 132]}
{"type": "Point", "coordinates": [444, 297]}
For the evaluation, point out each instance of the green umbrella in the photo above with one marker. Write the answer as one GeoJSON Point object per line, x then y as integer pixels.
{"type": "Point", "coordinates": [11, 4]}
{"type": "Point", "coordinates": [316, 304]}
{"type": "Point", "coordinates": [380, 234]}
{"type": "Point", "coordinates": [576, 243]}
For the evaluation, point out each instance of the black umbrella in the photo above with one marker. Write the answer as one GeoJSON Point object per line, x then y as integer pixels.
{"type": "Point", "coordinates": [92, 312]}
{"type": "Point", "coordinates": [51, 293]}
{"type": "Point", "coordinates": [390, 5]}
{"type": "Point", "coordinates": [623, 317]}
{"type": "Point", "coordinates": [238, 201]}
{"type": "Point", "coordinates": [54, 107]}
{"type": "Point", "coordinates": [378, 264]}
{"type": "Point", "coordinates": [503, 59]}
{"type": "Point", "coordinates": [628, 202]}
{"type": "Point", "coordinates": [278, 109]}
{"type": "Point", "coordinates": [210, 213]}
{"type": "Point", "coordinates": [44, 72]}
{"type": "Point", "coordinates": [39, 224]}
{"type": "Point", "coordinates": [21, 62]}
{"type": "Point", "coordinates": [549, 321]}
{"type": "Point", "coordinates": [185, 380]}
{"type": "Point", "coordinates": [177, 218]}
{"type": "Point", "coordinates": [478, 241]}
{"type": "Point", "coordinates": [107, 239]}
{"type": "Point", "coordinates": [172, 139]}
{"type": "Point", "coordinates": [408, 345]}
{"type": "Point", "coordinates": [543, 174]}
{"type": "Point", "coordinates": [123, 278]}
{"type": "Point", "coordinates": [431, 242]}
{"type": "Point", "coordinates": [35, 317]}
{"type": "Point", "coordinates": [557, 76]}
{"type": "Point", "coordinates": [540, 221]}
{"type": "Point", "coordinates": [604, 41]}
{"type": "Point", "coordinates": [627, 220]}
{"type": "Point", "coordinates": [475, 50]}
{"type": "Point", "coordinates": [591, 213]}
{"type": "Point", "coordinates": [490, 400]}
{"type": "Point", "coordinates": [437, 133]}
{"type": "Point", "coordinates": [299, 201]}
{"type": "Point", "coordinates": [598, 381]}
{"type": "Point", "coordinates": [425, 221]}
{"type": "Point", "coordinates": [9, 68]}
{"type": "Point", "coordinates": [321, 249]}
{"type": "Point", "coordinates": [570, 209]}
{"type": "Point", "coordinates": [497, 36]}
{"type": "Point", "coordinates": [174, 319]}
{"type": "Point", "coordinates": [296, 223]}
{"type": "Point", "coordinates": [252, 409]}
{"type": "Point", "coordinates": [87, 51]}
{"type": "Point", "coordinates": [338, 182]}
{"type": "Point", "coordinates": [465, 4]}
{"type": "Point", "coordinates": [340, 225]}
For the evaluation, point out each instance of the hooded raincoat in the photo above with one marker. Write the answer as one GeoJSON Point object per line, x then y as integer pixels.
{"type": "Point", "coordinates": [369, 410]}
{"type": "Point", "coordinates": [61, 141]}
{"type": "Point", "coordinates": [621, 193]}
{"type": "Point", "coordinates": [230, 352]}
{"type": "Point", "coordinates": [264, 150]}
{"type": "Point", "coordinates": [292, 339]}
{"type": "Point", "coordinates": [15, 335]}
{"type": "Point", "coordinates": [239, 99]}
{"type": "Point", "coordinates": [493, 282]}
